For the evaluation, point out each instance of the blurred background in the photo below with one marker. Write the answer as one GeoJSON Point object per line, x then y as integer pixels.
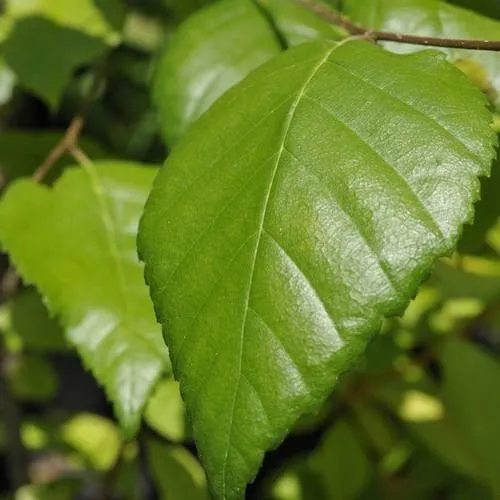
{"type": "Point", "coordinates": [419, 416]}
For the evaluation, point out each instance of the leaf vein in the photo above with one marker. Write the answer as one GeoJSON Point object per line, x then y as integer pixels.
{"type": "Point", "coordinates": [429, 218]}
{"type": "Point", "coordinates": [286, 128]}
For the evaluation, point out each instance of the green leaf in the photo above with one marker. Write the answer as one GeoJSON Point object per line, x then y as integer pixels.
{"type": "Point", "coordinates": [464, 436]}
{"type": "Point", "coordinates": [489, 8]}
{"type": "Point", "coordinates": [7, 82]}
{"type": "Point", "coordinates": [342, 464]}
{"type": "Point", "coordinates": [68, 34]}
{"type": "Point", "coordinates": [96, 18]}
{"type": "Point", "coordinates": [85, 230]}
{"type": "Point", "coordinates": [486, 216]}
{"type": "Point", "coordinates": [165, 411]}
{"type": "Point", "coordinates": [176, 472]}
{"type": "Point", "coordinates": [65, 489]}
{"type": "Point", "coordinates": [297, 25]}
{"type": "Point", "coordinates": [180, 10]}
{"type": "Point", "coordinates": [31, 321]}
{"type": "Point", "coordinates": [316, 216]}
{"type": "Point", "coordinates": [431, 18]}
{"type": "Point", "coordinates": [461, 282]}
{"type": "Point", "coordinates": [447, 443]}
{"type": "Point", "coordinates": [96, 438]}
{"type": "Point", "coordinates": [65, 50]}
{"type": "Point", "coordinates": [32, 378]}
{"type": "Point", "coordinates": [212, 51]}
{"type": "Point", "coordinates": [470, 390]}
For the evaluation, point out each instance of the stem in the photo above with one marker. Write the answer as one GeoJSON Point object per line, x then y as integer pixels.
{"type": "Point", "coordinates": [387, 36]}
{"type": "Point", "coordinates": [68, 142]}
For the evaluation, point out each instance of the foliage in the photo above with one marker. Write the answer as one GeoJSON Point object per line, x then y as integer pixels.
{"type": "Point", "coordinates": [327, 297]}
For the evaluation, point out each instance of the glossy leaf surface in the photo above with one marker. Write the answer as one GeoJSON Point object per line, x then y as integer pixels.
{"type": "Point", "coordinates": [85, 229]}
{"type": "Point", "coordinates": [295, 216]}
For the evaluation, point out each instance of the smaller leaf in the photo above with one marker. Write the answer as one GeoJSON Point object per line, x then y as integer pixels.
{"type": "Point", "coordinates": [66, 489]}
{"type": "Point", "coordinates": [180, 10]}
{"type": "Point", "coordinates": [31, 321]}
{"type": "Point", "coordinates": [32, 378]}
{"type": "Point", "coordinates": [165, 411]}
{"type": "Point", "coordinates": [297, 25]}
{"type": "Point", "coordinates": [470, 390]}
{"type": "Point", "coordinates": [176, 472]}
{"type": "Point", "coordinates": [446, 441]}
{"type": "Point", "coordinates": [85, 228]}
{"type": "Point", "coordinates": [95, 437]}
{"type": "Point", "coordinates": [96, 18]}
{"type": "Point", "coordinates": [342, 463]}
{"type": "Point", "coordinates": [7, 82]}
{"type": "Point", "coordinates": [212, 51]}
{"type": "Point", "coordinates": [65, 50]}
{"type": "Point", "coordinates": [487, 212]}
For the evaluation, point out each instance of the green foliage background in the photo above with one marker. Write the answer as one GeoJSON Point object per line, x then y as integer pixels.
{"type": "Point", "coordinates": [89, 404]}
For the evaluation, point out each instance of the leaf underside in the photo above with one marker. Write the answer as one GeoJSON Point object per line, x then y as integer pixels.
{"type": "Point", "coordinates": [308, 203]}
{"type": "Point", "coordinates": [85, 229]}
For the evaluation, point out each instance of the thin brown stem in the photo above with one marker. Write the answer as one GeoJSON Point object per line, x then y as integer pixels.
{"type": "Point", "coordinates": [387, 36]}
{"type": "Point", "coordinates": [66, 144]}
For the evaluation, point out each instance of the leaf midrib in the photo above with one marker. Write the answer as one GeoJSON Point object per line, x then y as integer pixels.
{"type": "Point", "coordinates": [284, 136]}
{"type": "Point", "coordinates": [109, 230]}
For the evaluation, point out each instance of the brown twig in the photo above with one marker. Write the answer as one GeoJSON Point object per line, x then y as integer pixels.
{"type": "Point", "coordinates": [387, 36]}
{"type": "Point", "coordinates": [68, 143]}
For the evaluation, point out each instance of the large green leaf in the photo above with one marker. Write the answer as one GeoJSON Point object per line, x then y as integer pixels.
{"type": "Point", "coordinates": [84, 229]}
{"type": "Point", "coordinates": [293, 217]}
{"type": "Point", "coordinates": [431, 18]}
{"type": "Point", "coordinates": [213, 50]}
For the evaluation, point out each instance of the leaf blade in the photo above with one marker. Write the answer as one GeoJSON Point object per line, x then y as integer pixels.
{"type": "Point", "coordinates": [92, 279]}
{"type": "Point", "coordinates": [286, 305]}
